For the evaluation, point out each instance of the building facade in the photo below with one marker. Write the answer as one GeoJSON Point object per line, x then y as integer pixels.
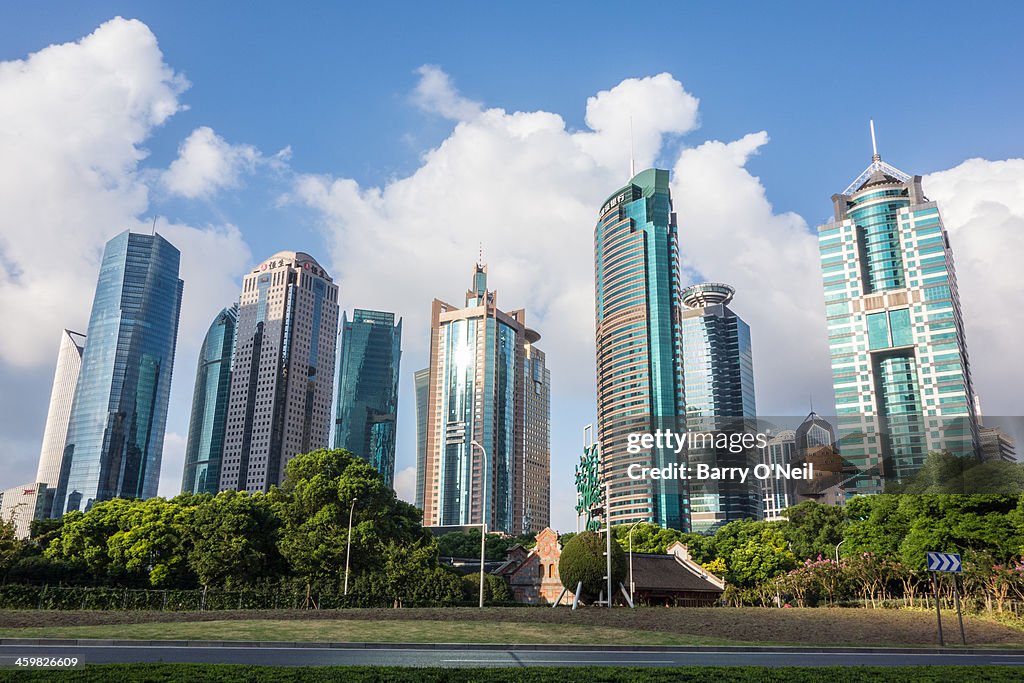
{"type": "Point", "coordinates": [776, 492]}
{"type": "Point", "coordinates": [283, 370]}
{"type": "Point", "coordinates": [718, 375]}
{"type": "Point", "coordinates": [65, 379]}
{"type": "Point", "coordinates": [23, 504]}
{"type": "Point", "coordinates": [900, 367]}
{"type": "Point", "coordinates": [486, 453]}
{"type": "Point", "coordinates": [639, 349]}
{"type": "Point", "coordinates": [421, 383]}
{"type": "Point", "coordinates": [115, 434]}
{"type": "Point", "coordinates": [366, 406]}
{"type": "Point", "coordinates": [208, 422]}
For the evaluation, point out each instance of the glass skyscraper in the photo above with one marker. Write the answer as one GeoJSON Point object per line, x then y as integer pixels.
{"type": "Point", "coordinates": [900, 368]}
{"type": "Point", "coordinates": [718, 374]}
{"type": "Point", "coordinates": [115, 432]}
{"type": "Point", "coordinates": [639, 349]}
{"type": "Point", "coordinates": [206, 428]}
{"type": "Point", "coordinates": [282, 374]}
{"type": "Point", "coordinates": [367, 401]}
{"type": "Point", "coordinates": [486, 453]}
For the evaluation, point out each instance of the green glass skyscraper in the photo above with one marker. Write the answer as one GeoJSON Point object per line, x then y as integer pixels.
{"type": "Point", "coordinates": [115, 434]}
{"type": "Point", "coordinates": [900, 368]}
{"type": "Point", "coordinates": [639, 352]}
{"type": "Point", "coordinates": [205, 445]}
{"type": "Point", "coordinates": [367, 400]}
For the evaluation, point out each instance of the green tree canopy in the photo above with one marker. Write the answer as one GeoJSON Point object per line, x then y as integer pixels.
{"type": "Point", "coordinates": [583, 560]}
{"type": "Point", "coordinates": [234, 539]}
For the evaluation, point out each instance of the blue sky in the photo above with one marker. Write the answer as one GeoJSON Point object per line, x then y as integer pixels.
{"type": "Point", "coordinates": [336, 86]}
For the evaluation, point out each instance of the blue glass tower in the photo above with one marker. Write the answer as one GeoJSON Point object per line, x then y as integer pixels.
{"type": "Point", "coordinates": [116, 429]}
{"type": "Point", "coordinates": [718, 372]}
{"type": "Point", "coordinates": [367, 400]}
{"type": "Point", "coordinates": [639, 371]}
{"type": "Point", "coordinates": [206, 428]}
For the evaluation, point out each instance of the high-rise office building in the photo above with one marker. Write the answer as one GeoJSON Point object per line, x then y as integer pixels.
{"type": "Point", "coordinates": [283, 370]}
{"type": "Point", "coordinates": [205, 445]}
{"type": "Point", "coordinates": [65, 379]}
{"type": "Point", "coordinates": [21, 505]}
{"type": "Point", "coordinates": [115, 432]}
{"type": "Point", "coordinates": [639, 351]}
{"type": "Point", "coordinates": [367, 402]}
{"type": "Point", "coordinates": [421, 382]}
{"type": "Point", "coordinates": [486, 454]}
{"type": "Point", "coordinates": [718, 374]}
{"type": "Point", "coordinates": [900, 368]}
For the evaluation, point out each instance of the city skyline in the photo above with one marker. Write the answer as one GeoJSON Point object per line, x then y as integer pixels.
{"type": "Point", "coordinates": [453, 154]}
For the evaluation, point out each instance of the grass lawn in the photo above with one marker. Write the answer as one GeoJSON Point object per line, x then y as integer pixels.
{"type": "Point", "coordinates": [368, 631]}
{"type": "Point", "coordinates": [543, 625]}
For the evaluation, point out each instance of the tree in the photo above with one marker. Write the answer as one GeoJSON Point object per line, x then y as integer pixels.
{"type": "Point", "coordinates": [467, 544]}
{"type": "Point", "coordinates": [233, 540]}
{"type": "Point", "coordinates": [813, 529]}
{"type": "Point", "coordinates": [761, 557]}
{"type": "Point", "coordinates": [314, 502]}
{"type": "Point", "coordinates": [583, 561]}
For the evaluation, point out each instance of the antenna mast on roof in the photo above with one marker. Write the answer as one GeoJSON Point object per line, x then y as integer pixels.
{"type": "Point", "coordinates": [874, 143]}
{"type": "Point", "coordinates": [153, 231]}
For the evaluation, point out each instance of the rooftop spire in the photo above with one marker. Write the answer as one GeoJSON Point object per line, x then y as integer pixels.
{"type": "Point", "coordinates": [874, 143]}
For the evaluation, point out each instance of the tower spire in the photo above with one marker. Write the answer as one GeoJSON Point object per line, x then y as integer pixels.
{"type": "Point", "coordinates": [875, 156]}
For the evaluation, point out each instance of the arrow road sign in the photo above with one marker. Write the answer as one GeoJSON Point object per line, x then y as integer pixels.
{"type": "Point", "coordinates": [944, 562]}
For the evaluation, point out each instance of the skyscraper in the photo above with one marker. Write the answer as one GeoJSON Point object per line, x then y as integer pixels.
{"type": "Point", "coordinates": [367, 402]}
{"type": "Point", "coordinates": [283, 370]}
{"type": "Point", "coordinates": [115, 431]}
{"type": "Point", "coordinates": [65, 379]}
{"type": "Point", "coordinates": [487, 446]}
{"type": "Point", "coordinates": [900, 368]}
{"type": "Point", "coordinates": [777, 493]}
{"type": "Point", "coordinates": [639, 350]}
{"type": "Point", "coordinates": [718, 374]}
{"type": "Point", "coordinates": [421, 381]}
{"type": "Point", "coordinates": [205, 445]}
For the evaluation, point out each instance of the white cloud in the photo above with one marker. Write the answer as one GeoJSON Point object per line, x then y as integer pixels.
{"type": "Point", "coordinates": [75, 116]}
{"type": "Point", "coordinates": [435, 93]}
{"type": "Point", "coordinates": [982, 205]}
{"type": "Point", "coordinates": [405, 484]}
{"type": "Point", "coordinates": [729, 233]}
{"type": "Point", "coordinates": [172, 465]}
{"type": "Point", "coordinates": [207, 163]}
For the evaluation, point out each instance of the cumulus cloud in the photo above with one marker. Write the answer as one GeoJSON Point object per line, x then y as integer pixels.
{"type": "Point", "coordinates": [729, 233]}
{"type": "Point", "coordinates": [436, 93]}
{"type": "Point", "coordinates": [70, 182]}
{"type": "Point", "coordinates": [207, 163]}
{"type": "Point", "coordinates": [405, 484]}
{"type": "Point", "coordinates": [982, 205]}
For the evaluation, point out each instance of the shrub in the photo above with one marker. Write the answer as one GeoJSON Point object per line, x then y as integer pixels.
{"type": "Point", "coordinates": [583, 561]}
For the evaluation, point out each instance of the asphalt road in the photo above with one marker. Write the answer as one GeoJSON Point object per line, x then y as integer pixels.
{"type": "Point", "coordinates": [496, 657]}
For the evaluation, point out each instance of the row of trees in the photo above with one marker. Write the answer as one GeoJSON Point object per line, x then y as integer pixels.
{"type": "Point", "coordinates": [296, 535]}
{"type": "Point", "coordinates": [873, 549]}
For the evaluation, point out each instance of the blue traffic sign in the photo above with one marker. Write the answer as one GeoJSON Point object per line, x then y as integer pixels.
{"type": "Point", "coordinates": [944, 562]}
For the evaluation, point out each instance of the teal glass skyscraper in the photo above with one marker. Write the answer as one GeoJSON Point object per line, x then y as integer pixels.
{"type": "Point", "coordinates": [718, 374]}
{"type": "Point", "coordinates": [639, 371]}
{"type": "Point", "coordinates": [205, 445]}
{"type": "Point", "coordinates": [367, 401]}
{"type": "Point", "coordinates": [115, 432]}
{"type": "Point", "coordinates": [900, 367]}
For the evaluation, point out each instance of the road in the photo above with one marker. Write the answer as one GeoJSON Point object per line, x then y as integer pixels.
{"type": "Point", "coordinates": [498, 656]}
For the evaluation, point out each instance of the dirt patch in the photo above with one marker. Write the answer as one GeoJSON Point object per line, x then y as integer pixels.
{"type": "Point", "coordinates": [797, 626]}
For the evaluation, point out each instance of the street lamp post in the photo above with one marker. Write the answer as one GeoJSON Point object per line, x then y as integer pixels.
{"type": "Point", "coordinates": [630, 534]}
{"type": "Point", "coordinates": [837, 549]}
{"type": "Point", "coordinates": [348, 549]}
{"type": "Point", "coordinates": [483, 523]}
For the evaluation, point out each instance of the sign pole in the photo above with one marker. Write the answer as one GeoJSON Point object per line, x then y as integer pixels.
{"type": "Point", "coordinates": [938, 610]}
{"type": "Point", "coordinates": [959, 616]}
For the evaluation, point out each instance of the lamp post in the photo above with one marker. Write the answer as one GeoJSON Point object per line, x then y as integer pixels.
{"type": "Point", "coordinates": [348, 549]}
{"type": "Point", "coordinates": [483, 524]}
{"type": "Point", "coordinates": [630, 534]}
{"type": "Point", "coordinates": [837, 549]}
